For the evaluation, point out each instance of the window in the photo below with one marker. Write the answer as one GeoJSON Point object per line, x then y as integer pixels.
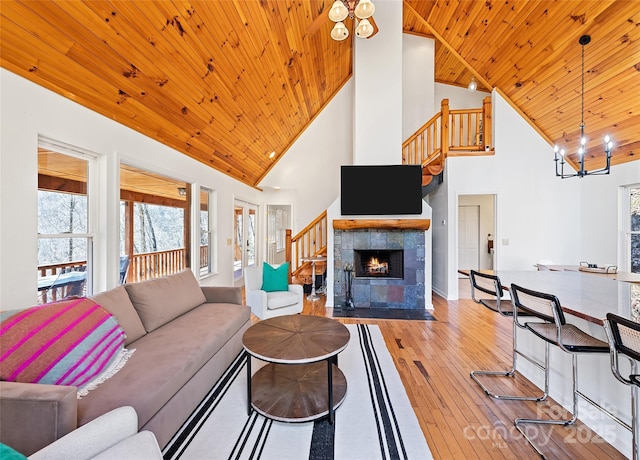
{"type": "Point", "coordinates": [65, 238]}
{"type": "Point", "coordinates": [206, 234]}
{"type": "Point", "coordinates": [632, 228]}
{"type": "Point", "coordinates": [154, 225]}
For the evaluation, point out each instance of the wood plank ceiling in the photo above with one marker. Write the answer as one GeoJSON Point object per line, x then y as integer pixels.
{"type": "Point", "coordinates": [229, 82]}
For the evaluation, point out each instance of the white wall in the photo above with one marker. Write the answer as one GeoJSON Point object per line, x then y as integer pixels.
{"type": "Point", "coordinates": [459, 98]}
{"type": "Point", "coordinates": [601, 214]}
{"type": "Point", "coordinates": [29, 111]}
{"type": "Point", "coordinates": [377, 125]}
{"type": "Point", "coordinates": [310, 169]}
{"type": "Point", "coordinates": [440, 257]}
{"type": "Point", "coordinates": [418, 65]}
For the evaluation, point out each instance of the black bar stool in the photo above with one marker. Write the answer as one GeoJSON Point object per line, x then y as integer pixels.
{"type": "Point", "coordinates": [490, 284]}
{"type": "Point", "coordinates": [554, 330]}
{"type": "Point", "coordinates": [624, 338]}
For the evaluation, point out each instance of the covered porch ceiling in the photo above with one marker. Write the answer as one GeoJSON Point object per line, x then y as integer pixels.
{"type": "Point", "coordinates": [227, 83]}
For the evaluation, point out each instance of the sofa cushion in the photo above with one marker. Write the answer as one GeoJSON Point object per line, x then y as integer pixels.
{"type": "Point", "coordinates": [165, 360]}
{"type": "Point", "coordinates": [117, 302]}
{"type": "Point", "coordinates": [281, 299]}
{"type": "Point", "coordinates": [73, 342]}
{"type": "Point", "coordinates": [160, 300]}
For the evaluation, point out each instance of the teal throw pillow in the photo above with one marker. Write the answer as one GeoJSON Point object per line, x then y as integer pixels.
{"type": "Point", "coordinates": [275, 278]}
{"type": "Point", "coordinates": [7, 453]}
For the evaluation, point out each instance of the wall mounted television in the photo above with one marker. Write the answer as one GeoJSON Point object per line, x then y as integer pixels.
{"type": "Point", "coordinates": [380, 189]}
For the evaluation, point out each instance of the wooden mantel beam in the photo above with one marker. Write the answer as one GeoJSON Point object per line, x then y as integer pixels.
{"type": "Point", "coordinates": [389, 224]}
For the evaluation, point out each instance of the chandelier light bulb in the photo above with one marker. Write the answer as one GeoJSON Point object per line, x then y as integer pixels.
{"type": "Point", "coordinates": [338, 12]}
{"type": "Point", "coordinates": [339, 31]}
{"type": "Point", "coordinates": [562, 152]}
{"type": "Point", "coordinates": [581, 151]}
{"type": "Point", "coordinates": [364, 29]}
{"type": "Point", "coordinates": [556, 149]}
{"type": "Point", "coordinates": [365, 9]}
{"type": "Point", "coordinates": [583, 140]}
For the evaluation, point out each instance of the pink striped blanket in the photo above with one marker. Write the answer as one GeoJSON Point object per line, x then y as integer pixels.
{"type": "Point", "coordinates": [72, 342]}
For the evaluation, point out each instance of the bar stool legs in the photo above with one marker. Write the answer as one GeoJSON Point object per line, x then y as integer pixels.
{"type": "Point", "coordinates": [520, 421]}
{"type": "Point", "coordinates": [511, 372]}
{"type": "Point", "coordinates": [624, 339]}
{"type": "Point", "coordinates": [552, 328]}
{"type": "Point", "coordinates": [490, 284]}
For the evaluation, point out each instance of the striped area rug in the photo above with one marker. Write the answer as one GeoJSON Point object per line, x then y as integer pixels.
{"type": "Point", "coordinates": [375, 421]}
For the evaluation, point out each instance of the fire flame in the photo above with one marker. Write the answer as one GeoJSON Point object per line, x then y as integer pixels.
{"type": "Point", "coordinates": [375, 266]}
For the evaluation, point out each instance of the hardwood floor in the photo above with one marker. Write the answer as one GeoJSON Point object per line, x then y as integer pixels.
{"type": "Point", "coordinates": [459, 421]}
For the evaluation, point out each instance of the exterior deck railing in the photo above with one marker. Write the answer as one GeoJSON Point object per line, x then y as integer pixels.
{"type": "Point", "coordinates": [141, 267]}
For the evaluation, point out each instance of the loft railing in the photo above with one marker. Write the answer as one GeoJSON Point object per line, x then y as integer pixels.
{"type": "Point", "coordinates": [310, 241]}
{"type": "Point", "coordinates": [450, 133]}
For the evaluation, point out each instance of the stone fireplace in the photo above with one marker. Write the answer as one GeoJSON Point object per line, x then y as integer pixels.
{"type": "Point", "coordinates": [394, 280]}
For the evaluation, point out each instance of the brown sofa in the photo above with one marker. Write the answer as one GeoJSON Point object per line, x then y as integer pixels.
{"type": "Point", "coordinates": [184, 336]}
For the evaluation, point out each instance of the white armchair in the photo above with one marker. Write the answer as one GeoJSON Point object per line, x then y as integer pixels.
{"type": "Point", "coordinates": [269, 304]}
{"type": "Point", "coordinates": [112, 436]}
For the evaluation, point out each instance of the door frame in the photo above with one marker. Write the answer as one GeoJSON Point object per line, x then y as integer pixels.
{"type": "Point", "coordinates": [247, 210]}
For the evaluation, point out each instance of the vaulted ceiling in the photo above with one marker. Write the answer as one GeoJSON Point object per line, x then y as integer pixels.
{"type": "Point", "coordinates": [229, 82]}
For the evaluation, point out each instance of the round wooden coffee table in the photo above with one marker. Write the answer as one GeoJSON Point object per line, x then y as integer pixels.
{"type": "Point", "coordinates": [295, 385]}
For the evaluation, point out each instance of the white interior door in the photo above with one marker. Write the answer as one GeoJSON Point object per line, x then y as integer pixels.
{"type": "Point", "coordinates": [245, 223]}
{"type": "Point", "coordinates": [469, 237]}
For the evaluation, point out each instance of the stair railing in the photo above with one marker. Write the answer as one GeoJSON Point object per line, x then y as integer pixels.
{"type": "Point", "coordinates": [309, 242]}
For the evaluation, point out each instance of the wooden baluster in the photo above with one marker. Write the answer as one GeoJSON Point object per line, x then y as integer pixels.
{"type": "Point", "coordinates": [486, 123]}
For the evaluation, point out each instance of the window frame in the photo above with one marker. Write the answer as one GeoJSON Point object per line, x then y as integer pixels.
{"type": "Point", "coordinates": [626, 224]}
{"type": "Point", "coordinates": [92, 202]}
{"type": "Point", "coordinates": [212, 234]}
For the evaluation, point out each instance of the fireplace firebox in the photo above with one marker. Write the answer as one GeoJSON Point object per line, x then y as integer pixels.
{"type": "Point", "coordinates": [379, 263]}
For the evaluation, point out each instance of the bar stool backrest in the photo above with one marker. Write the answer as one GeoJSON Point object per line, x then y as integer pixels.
{"type": "Point", "coordinates": [542, 305]}
{"type": "Point", "coordinates": [625, 334]}
{"type": "Point", "coordinates": [489, 284]}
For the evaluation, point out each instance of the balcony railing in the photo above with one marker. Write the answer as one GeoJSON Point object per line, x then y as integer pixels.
{"type": "Point", "coordinates": [450, 133]}
{"type": "Point", "coordinates": [51, 285]}
{"type": "Point", "coordinates": [155, 264]}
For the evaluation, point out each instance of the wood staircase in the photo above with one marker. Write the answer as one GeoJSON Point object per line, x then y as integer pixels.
{"type": "Point", "coordinates": [462, 132]}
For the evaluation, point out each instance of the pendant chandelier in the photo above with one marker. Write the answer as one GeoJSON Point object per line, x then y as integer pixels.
{"type": "Point", "coordinates": [358, 10]}
{"type": "Point", "coordinates": [559, 153]}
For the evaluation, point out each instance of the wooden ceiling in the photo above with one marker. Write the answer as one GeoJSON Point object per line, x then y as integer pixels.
{"type": "Point", "coordinates": [229, 82]}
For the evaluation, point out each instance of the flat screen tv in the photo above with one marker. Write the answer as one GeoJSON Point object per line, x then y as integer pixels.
{"type": "Point", "coordinates": [379, 189]}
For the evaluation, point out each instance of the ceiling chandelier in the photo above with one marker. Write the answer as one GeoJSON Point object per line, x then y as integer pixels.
{"type": "Point", "coordinates": [560, 152]}
{"type": "Point", "coordinates": [359, 10]}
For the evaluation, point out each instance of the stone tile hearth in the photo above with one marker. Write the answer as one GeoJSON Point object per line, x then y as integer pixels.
{"type": "Point", "coordinates": [407, 292]}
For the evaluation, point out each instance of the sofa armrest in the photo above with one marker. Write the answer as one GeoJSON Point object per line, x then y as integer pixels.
{"type": "Point", "coordinates": [34, 415]}
{"type": "Point", "coordinates": [222, 294]}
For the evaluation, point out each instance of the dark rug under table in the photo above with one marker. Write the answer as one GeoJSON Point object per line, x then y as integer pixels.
{"type": "Point", "coordinates": [382, 313]}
